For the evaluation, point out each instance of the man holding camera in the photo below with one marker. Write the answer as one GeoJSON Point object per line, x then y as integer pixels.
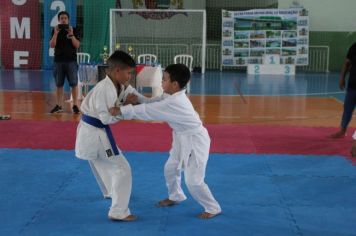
{"type": "Point", "coordinates": [65, 43]}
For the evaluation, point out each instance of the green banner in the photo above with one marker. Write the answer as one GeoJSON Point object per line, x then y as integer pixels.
{"type": "Point", "coordinates": [96, 27]}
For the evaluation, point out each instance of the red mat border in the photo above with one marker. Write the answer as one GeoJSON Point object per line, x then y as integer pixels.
{"type": "Point", "coordinates": [137, 136]}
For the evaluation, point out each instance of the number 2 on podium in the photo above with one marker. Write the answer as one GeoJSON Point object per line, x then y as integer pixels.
{"type": "Point", "coordinates": [257, 69]}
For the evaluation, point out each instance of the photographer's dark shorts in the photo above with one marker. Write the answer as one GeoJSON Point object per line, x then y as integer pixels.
{"type": "Point", "coordinates": [67, 70]}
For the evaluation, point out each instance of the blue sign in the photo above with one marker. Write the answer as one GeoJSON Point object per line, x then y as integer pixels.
{"type": "Point", "coordinates": [51, 8]}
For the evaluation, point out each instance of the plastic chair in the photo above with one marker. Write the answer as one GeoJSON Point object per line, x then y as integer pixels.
{"type": "Point", "coordinates": [147, 59]}
{"type": "Point", "coordinates": [83, 57]}
{"type": "Point", "coordinates": [84, 82]}
{"type": "Point", "coordinates": [186, 60]}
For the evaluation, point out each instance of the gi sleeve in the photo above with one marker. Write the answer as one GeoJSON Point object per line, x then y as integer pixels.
{"type": "Point", "coordinates": [103, 101]}
{"type": "Point", "coordinates": [149, 111]}
{"type": "Point", "coordinates": [141, 98]}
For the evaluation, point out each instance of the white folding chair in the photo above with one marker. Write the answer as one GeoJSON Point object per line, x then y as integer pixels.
{"type": "Point", "coordinates": [186, 60]}
{"type": "Point", "coordinates": [147, 59]}
{"type": "Point", "coordinates": [83, 57]}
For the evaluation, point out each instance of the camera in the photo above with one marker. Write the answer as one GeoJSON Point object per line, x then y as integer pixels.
{"type": "Point", "coordinates": [63, 26]}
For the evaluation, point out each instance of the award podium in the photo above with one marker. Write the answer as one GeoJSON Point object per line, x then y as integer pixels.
{"type": "Point", "coordinates": [271, 66]}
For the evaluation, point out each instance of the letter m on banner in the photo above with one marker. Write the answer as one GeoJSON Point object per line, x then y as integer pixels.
{"type": "Point", "coordinates": [20, 34]}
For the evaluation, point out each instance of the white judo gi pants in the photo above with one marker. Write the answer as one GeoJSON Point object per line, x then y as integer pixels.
{"type": "Point", "coordinates": [194, 175]}
{"type": "Point", "coordinates": [115, 180]}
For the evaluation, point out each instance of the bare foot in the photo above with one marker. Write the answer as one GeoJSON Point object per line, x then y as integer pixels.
{"type": "Point", "coordinates": [126, 219]}
{"type": "Point", "coordinates": [166, 202]}
{"type": "Point", "coordinates": [338, 134]}
{"type": "Point", "coordinates": [206, 215]}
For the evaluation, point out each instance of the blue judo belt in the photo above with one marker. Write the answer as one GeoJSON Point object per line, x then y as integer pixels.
{"type": "Point", "coordinates": [98, 124]}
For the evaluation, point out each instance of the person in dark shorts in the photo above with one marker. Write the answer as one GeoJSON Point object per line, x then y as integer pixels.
{"type": "Point", "coordinates": [65, 43]}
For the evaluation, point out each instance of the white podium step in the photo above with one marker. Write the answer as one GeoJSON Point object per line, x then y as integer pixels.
{"type": "Point", "coordinates": [258, 69]}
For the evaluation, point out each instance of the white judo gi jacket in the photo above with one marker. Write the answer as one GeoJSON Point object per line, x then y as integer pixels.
{"type": "Point", "coordinates": [190, 147]}
{"type": "Point", "coordinates": [96, 104]}
{"type": "Point", "coordinates": [112, 172]}
{"type": "Point", "coordinates": [189, 135]}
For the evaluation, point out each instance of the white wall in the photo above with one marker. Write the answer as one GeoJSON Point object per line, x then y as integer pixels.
{"type": "Point", "coordinates": [327, 15]}
{"type": "Point", "coordinates": [240, 3]}
{"type": "Point", "coordinates": [187, 4]}
{"type": "Point", "coordinates": [180, 25]}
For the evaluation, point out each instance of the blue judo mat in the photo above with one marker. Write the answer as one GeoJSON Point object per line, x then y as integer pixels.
{"type": "Point", "coordinates": [49, 192]}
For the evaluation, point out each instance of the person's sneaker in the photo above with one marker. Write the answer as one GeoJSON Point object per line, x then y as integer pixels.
{"type": "Point", "coordinates": [57, 109]}
{"type": "Point", "coordinates": [75, 109]}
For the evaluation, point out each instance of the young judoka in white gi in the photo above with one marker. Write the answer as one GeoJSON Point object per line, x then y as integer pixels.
{"type": "Point", "coordinates": [191, 141]}
{"type": "Point", "coordinates": [94, 139]}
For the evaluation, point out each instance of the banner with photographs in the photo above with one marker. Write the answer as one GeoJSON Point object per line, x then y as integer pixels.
{"type": "Point", "coordinates": [248, 35]}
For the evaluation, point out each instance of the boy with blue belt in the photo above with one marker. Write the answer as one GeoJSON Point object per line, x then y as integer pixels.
{"type": "Point", "coordinates": [95, 142]}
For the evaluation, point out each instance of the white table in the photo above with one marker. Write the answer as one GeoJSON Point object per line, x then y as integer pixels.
{"type": "Point", "coordinates": [150, 76]}
{"type": "Point", "coordinates": [88, 76]}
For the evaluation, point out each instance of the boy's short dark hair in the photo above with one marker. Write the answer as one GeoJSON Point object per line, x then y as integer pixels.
{"type": "Point", "coordinates": [179, 73]}
{"type": "Point", "coordinates": [120, 59]}
{"type": "Point", "coordinates": [63, 13]}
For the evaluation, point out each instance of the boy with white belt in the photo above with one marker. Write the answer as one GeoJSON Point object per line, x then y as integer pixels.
{"type": "Point", "coordinates": [191, 141]}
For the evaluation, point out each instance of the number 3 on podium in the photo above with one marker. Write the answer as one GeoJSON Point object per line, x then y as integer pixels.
{"type": "Point", "coordinates": [286, 70]}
